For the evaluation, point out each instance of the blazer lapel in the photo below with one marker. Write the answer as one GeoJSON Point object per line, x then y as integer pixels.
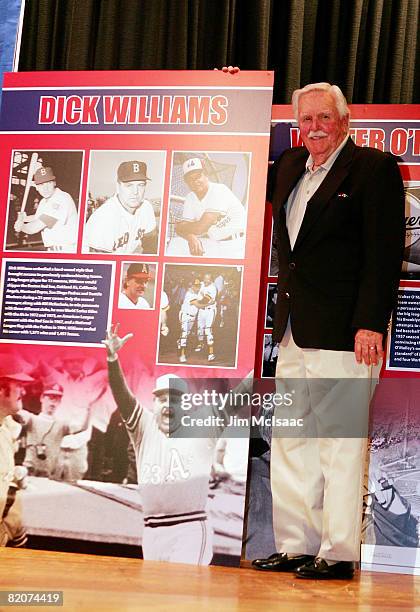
{"type": "Point", "coordinates": [286, 183]}
{"type": "Point", "coordinates": [326, 190]}
{"type": "Point", "coordinates": [289, 177]}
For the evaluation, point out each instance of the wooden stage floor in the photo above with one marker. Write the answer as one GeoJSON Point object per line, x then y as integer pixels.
{"type": "Point", "coordinates": [108, 583]}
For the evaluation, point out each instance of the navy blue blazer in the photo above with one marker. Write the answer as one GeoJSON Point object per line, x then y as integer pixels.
{"type": "Point", "coordinates": [343, 272]}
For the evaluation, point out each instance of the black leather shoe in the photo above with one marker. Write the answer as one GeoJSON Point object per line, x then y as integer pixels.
{"type": "Point", "coordinates": [319, 568]}
{"type": "Point", "coordinates": [280, 562]}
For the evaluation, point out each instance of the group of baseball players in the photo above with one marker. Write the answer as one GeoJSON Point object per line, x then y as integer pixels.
{"type": "Point", "coordinates": [202, 301]}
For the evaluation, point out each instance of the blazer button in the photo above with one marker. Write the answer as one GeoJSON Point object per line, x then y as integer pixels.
{"type": "Point", "coordinates": [287, 295]}
{"type": "Point", "coordinates": [292, 265]}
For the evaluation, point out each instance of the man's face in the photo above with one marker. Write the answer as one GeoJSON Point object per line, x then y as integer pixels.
{"type": "Point", "coordinates": [73, 367]}
{"type": "Point", "coordinates": [320, 125]}
{"type": "Point", "coordinates": [135, 287]}
{"type": "Point", "coordinates": [207, 280]}
{"type": "Point", "coordinates": [131, 194]}
{"type": "Point", "coordinates": [198, 182]}
{"type": "Point", "coordinates": [11, 395]}
{"type": "Point", "coordinates": [47, 189]}
{"type": "Point", "coordinates": [166, 416]}
{"type": "Point", "coordinates": [49, 403]}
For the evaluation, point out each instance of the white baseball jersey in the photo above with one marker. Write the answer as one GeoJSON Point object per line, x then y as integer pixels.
{"type": "Point", "coordinates": [188, 308]}
{"type": "Point", "coordinates": [63, 235]}
{"type": "Point", "coordinates": [210, 292]}
{"type": "Point", "coordinates": [173, 473]}
{"type": "Point", "coordinates": [164, 301]}
{"type": "Point", "coordinates": [218, 199]}
{"type": "Point", "coordinates": [125, 303]}
{"type": "Point", "coordinates": [113, 229]}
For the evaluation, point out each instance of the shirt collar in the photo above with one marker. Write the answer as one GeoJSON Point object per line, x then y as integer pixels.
{"type": "Point", "coordinates": [328, 162]}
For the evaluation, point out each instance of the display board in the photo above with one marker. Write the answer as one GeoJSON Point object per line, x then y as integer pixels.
{"type": "Point", "coordinates": [132, 204]}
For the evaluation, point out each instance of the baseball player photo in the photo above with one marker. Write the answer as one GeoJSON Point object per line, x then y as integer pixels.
{"type": "Point", "coordinates": [202, 321]}
{"type": "Point", "coordinates": [271, 305]}
{"type": "Point", "coordinates": [173, 473]}
{"type": "Point", "coordinates": [43, 201]}
{"type": "Point", "coordinates": [270, 354]}
{"type": "Point", "coordinates": [391, 500]}
{"type": "Point", "coordinates": [124, 201]}
{"type": "Point", "coordinates": [138, 286]}
{"type": "Point", "coordinates": [208, 208]}
{"type": "Point", "coordinates": [51, 449]}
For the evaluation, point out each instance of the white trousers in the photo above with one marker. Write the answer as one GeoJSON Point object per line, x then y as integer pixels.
{"type": "Point", "coordinates": [317, 481]}
{"type": "Point", "coordinates": [182, 543]}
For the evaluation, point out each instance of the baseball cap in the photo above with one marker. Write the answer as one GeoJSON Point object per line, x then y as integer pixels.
{"type": "Point", "coordinates": [13, 368]}
{"type": "Point", "coordinates": [138, 270]}
{"type": "Point", "coordinates": [170, 382]}
{"type": "Point", "coordinates": [192, 164]}
{"type": "Point", "coordinates": [43, 175]}
{"type": "Point", "coordinates": [132, 171]}
{"type": "Point", "coordinates": [53, 389]}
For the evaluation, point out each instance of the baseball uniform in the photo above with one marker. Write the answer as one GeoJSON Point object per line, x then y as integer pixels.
{"type": "Point", "coordinates": [125, 303]}
{"type": "Point", "coordinates": [173, 476]}
{"type": "Point", "coordinates": [11, 530]}
{"type": "Point", "coordinates": [187, 317]}
{"type": "Point", "coordinates": [62, 236]}
{"type": "Point", "coordinates": [112, 229]}
{"type": "Point", "coordinates": [226, 237]}
{"type": "Point", "coordinates": [207, 314]}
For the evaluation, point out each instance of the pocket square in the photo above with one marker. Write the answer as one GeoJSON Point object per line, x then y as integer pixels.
{"type": "Point", "coordinates": [342, 195]}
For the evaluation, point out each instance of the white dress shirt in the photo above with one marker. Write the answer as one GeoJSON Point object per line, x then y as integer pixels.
{"type": "Point", "coordinates": [305, 189]}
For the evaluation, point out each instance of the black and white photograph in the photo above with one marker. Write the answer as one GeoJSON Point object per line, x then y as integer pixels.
{"type": "Point", "coordinates": [270, 305]}
{"type": "Point", "coordinates": [203, 315]}
{"type": "Point", "coordinates": [124, 200]}
{"type": "Point", "coordinates": [274, 261]}
{"type": "Point", "coordinates": [208, 204]}
{"type": "Point", "coordinates": [138, 286]}
{"type": "Point", "coordinates": [392, 500]}
{"type": "Point", "coordinates": [92, 442]}
{"type": "Point", "coordinates": [269, 356]}
{"type": "Point", "coordinates": [411, 262]}
{"type": "Point", "coordinates": [44, 201]}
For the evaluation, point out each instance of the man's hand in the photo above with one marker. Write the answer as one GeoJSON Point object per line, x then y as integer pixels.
{"type": "Point", "coordinates": [18, 227]}
{"type": "Point", "coordinates": [113, 342]}
{"type": "Point", "coordinates": [368, 347]}
{"type": "Point", "coordinates": [196, 248]}
{"type": "Point", "coordinates": [230, 69]}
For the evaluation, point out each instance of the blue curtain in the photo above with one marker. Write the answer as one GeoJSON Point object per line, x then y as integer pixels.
{"type": "Point", "coordinates": [9, 17]}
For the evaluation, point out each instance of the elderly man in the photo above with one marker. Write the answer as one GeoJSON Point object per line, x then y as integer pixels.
{"type": "Point", "coordinates": [339, 216]}
{"type": "Point", "coordinates": [126, 222]}
{"type": "Point", "coordinates": [12, 381]}
{"type": "Point", "coordinates": [214, 219]}
{"type": "Point", "coordinates": [55, 216]}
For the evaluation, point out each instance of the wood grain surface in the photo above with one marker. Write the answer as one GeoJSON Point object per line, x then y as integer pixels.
{"type": "Point", "coordinates": [108, 583]}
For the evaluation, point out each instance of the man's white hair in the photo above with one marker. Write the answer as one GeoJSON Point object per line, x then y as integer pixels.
{"type": "Point", "coordinates": [340, 100]}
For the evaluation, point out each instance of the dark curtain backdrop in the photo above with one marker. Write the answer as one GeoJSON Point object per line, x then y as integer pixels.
{"type": "Point", "coordinates": [370, 48]}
